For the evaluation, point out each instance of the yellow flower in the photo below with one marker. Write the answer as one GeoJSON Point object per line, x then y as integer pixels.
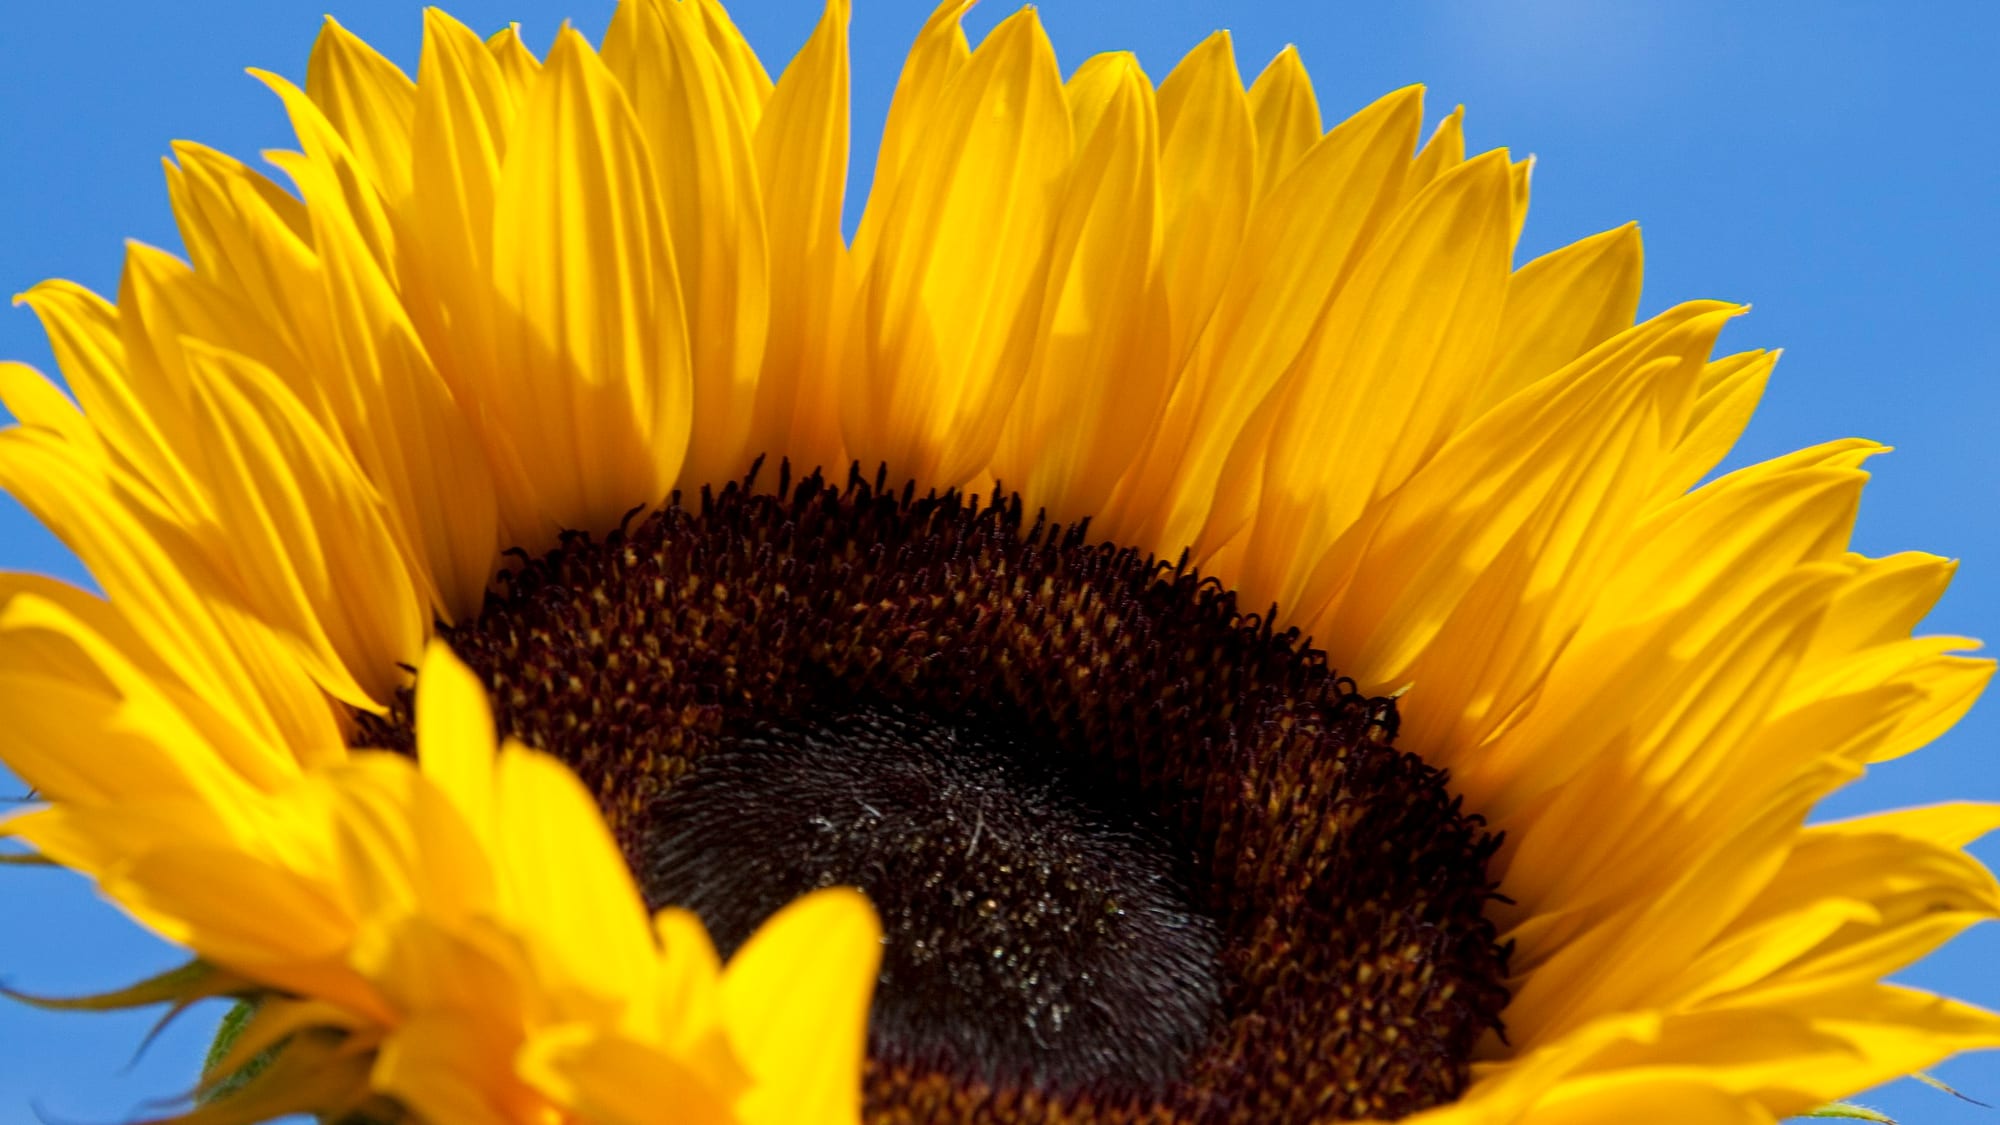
{"type": "Point", "coordinates": [462, 937]}
{"type": "Point", "coordinates": [545, 388]}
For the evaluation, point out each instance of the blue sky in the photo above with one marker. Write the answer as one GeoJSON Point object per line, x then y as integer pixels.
{"type": "Point", "coordinates": [1827, 162]}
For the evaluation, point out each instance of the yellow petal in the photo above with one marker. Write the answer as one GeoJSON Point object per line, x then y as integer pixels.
{"type": "Point", "coordinates": [1072, 431]}
{"type": "Point", "coordinates": [1730, 819]}
{"type": "Point", "coordinates": [567, 881]}
{"type": "Point", "coordinates": [1913, 688]}
{"type": "Point", "coordinates": [956, 267]}
{"type": "Point", "coordinates": [1854, 901]}
{"type": "Point", "coordinates": [411, 439]}
{"type": "Point", "coordinates": [92, 841]}
{"type": "Point", "coordinates": [683, 96]}
{"type": "Point", "coordinates": [455, 742]}
{"type": "Point", "coordinates": [688, 1002]}
{"type": "Point", "coordinates": [447, 1067]}
{"type": "Point", "coordinates": [271, 925]}
{"type": "Point", "coordinates": [83, 332]}
{"type": "Point", "coordinates": [597, 397]}
{"type": "Point", "coordinates": [1563, 304]}
{"type": "Point", "coordinates": [797, 995]}
{"type": "Point", "coordinates": [34, 400]}
{"type": "Point", "coordinates": [1443, 152]}
{"type": "Point", "coordinates": [426, 961]}
{"type": "Point", "coordinates": [935, 58]}
{"type": "Point", "coordinates": [745, 76]}
{"type": "Point", "coordinates": [1447, 582]}
{"type": "Point", "coordinates": [238, 224]}
{"type": "Point", "coordinates": [160, 303]}
{"type": "Point", "coordinates": [1387, 375]}
{"type": "Point", "coordinates": [1666, 598]}
{"type": "Point", "coordinates": [1565, 979]}
{"type": "Point", "coordinates": [163, 304]}
{"type": "Point", "coordinates": [178, 604]}
{"type": "Point", "coordinates": [1208, 153]}
{"type": "Point", "coordinates": [1728, 1065]}
{"type": "Point", "coordinates": [620, 1081]}
{"type": "Point", "coordinates": [1946, 687]}
{"type": "Point", "coordinates": [153, 850]}
{"type": "Point", "coordinates": [1471, 576]}
{"type": "Point", "coordinates": [315, 550]}
{"type": "Point", "coordinates": [1889, 1032]}
{"type": "Point", "coordinates": [404, 847]}
{"type": "Point", "coordinates": [93, 724]}
{"type": "Point", "coordinates": [1730, 388]}
{"type": "Point", "coordinates": [358, 196]}
{"type": "Point", "coordinates": [802, 161]}
{"type": "Point", "coordinates": [465, 109]}
{"type": "Point", "coordinates": [1294, 258]}
{"type": "Point", "coordinates": [1693, 1102]}
{"type": "Point", "coordinates": [1520, 175]}
{"type": "Point", "coordinates": [518, 64]}
{"type": "Point", "coordinates": [1287, 116]}
{"type": "Point", "coordinates": [1953, 824]}
{"type": "Point", "coordinates": [369, 101]}
{"type": "Point", "coordinates": [375, 841]}
{"type": "Point", "coordinates": [394, 408]}
{"type": "Point", "coordinates": [682, 1056]}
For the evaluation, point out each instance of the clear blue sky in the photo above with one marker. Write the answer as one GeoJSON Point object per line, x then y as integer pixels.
{"type": "Point", "coordinates": [1830, 163]}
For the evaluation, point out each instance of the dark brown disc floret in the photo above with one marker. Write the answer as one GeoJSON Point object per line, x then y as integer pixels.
{"type": "Point", "coordinates": [1139, 856]}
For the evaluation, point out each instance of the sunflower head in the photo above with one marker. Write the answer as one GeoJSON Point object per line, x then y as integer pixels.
{"type": "Point", "coordinates": [1166, 623]}
{"type": "Point", "coordinates": [1059, 770]}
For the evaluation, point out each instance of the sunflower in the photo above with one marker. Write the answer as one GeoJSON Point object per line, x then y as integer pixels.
{"type": "Point", "coordinates": [1260, 656]}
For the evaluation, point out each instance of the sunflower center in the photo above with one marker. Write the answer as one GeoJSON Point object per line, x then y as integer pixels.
{"type": "Point", "coordinates": [1138, 855]}
{"type": "Point", "coordinates": [1037, 931]}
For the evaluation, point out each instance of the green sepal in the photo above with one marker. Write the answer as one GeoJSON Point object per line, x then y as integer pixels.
{"type": "Point", "coordinates": [1937, 1085]}
{"type": "Point", "coordinates": [251, 1063]}
{"type": "Point", "coordinates": [180, 987]}
{"type": "Point", "coordinates": [309, 1073]}
{"type": "Point", "coordinates": [231, 1029]}
{"type": "Point", "coordinates": [1851, 1112]}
